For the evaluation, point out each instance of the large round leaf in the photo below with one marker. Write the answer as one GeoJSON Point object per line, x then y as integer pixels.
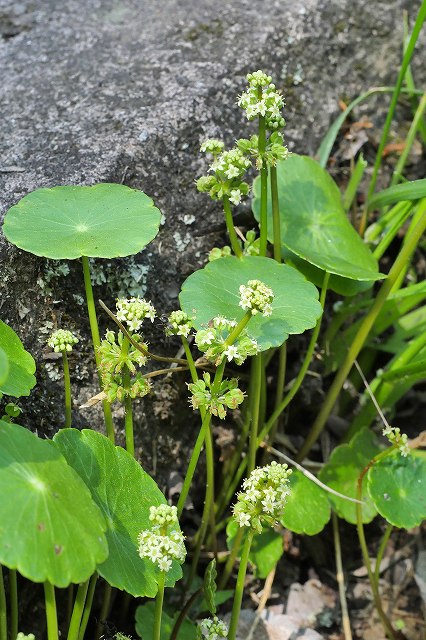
{"type": "Point", "coordinates": [307, 509]}
{"type": "Point", "coordinates": [265, 551]}
{"type": "Point", "coordinates": [343, 470]}
{"type": "Point", "coordinates": [397, 486]}
{"type": "Point", "coordinates": [314, 224]}
{"type": "Point", "coordinates": [124, 493]}
{"type": "Point", "coordinates": [19, 379]}
{"type": "Point", "coordinates": [50, 528]}
{"type": "Point", "coordinates": [103, 221]}
{"type": "Point", "coordinates": [214, 291]}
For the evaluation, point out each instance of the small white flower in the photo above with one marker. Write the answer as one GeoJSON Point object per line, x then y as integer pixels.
{"type": "Point", "coordinates": [231, 352]}
{"type": "Point", "coordinates": [235, 196]}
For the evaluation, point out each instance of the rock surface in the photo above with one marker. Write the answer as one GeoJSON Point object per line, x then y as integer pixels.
{"type": "Point", "coordinates": [125, 91]}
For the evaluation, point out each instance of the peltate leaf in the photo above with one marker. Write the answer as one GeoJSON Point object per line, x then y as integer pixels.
{"type": "Point", "coordinates": [50, 528]}
{"type": "Point", "coordinates": [397, 486]}
{"type": "Point", "coordinates": [103, 221]}
{"type": "Point", "coordinates": [266, 549]}
{"type": "Point", "coordinates": [19, 379]}
{"type": "Point", "coordinates": [214, 291]}
{"type": "Point", "coordinates": [145, 624]}
{"type": "Point", "coordinates": [342, 472]}
{"type": "Point", "coordinates": [314, 225]}
{"type": "Point", "coordinates": [124, 494]}
{"type": "Point", "coordinates": [307, 509]}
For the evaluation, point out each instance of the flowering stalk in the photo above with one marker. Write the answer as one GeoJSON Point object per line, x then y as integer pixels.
{"type": "Point", "coordinates": [159, 599]}
{"type": "Point", "coordinates": [51, 614]}
{"type": "Point", "coordinates": [128, 409]}
{"type": "Point", "coordinates": [263, 185]}
{"type": "Point", "coordinates": [239, 587]}
{"type": "Point", "coordinates": [77, 613]}
{"type": "Point", "coordinates": [62, 341]}
{"type": "Point", "coordinates": [230, 227]}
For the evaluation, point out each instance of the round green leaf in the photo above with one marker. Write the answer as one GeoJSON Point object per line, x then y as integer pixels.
{"type": "Point", "coordinates": [266, 549]}
{"type": "Point", "coordinates": [103, 221]}
{"type": "Point", "coordinates": [397, 486]}
{"type": "Point", "coordinates": [214, 291]}
{"type": "Point", "coordinates": [50, 528]}
{"type": "Point", "coordinates": [4, 366]}
{"type": "Point", "coordinates": [343, 470]}
{"type": "Point", "coordinates": [314, 224]}
{"type": "Point", "coordinates": [307, 508]}
{"type": "Point", "coordinates": [19, 378]}
{"type": "Point", "coordinates": [124, 494]}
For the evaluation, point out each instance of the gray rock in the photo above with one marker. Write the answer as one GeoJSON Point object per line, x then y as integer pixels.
{"type": "Point", "coordinates": [108, 90]}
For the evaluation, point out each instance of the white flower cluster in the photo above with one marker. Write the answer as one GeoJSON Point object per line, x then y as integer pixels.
{"type": "Point", "coordinates": [180, 324]}
{"type": "Point", "coordinates": [395, 437]}
{"type": "Point", "coordinates": [263, 497]}
{"type": "Point", "coordinates": [160, 544]}
{"type": "Point", "coordinates": [213, 342]}
{"type": "Point", "coordinates": [228, 168]}
{"type": "Point", "coordinates": [262, 99]}
{"type": "Point", "coordinates": [212, 629]}
{"type": "Point", "coordinates": [211, 145]}
{"type": "Point", "coordinates": [22, 636]}
{"type": "Point", "coordinates": [133, 312]}
{"type": "Point", "coordinates": [227, 396]}
{"type": "Point", "coordinates": [62, 340]}
{"type": "Point", "coordinates": [256, 297]}
{"type": "Point", "coordinates": [230, 164]}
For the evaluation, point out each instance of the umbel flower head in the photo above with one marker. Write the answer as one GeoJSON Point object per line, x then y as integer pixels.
{"type": "Point", "coordinates": [163, 543]}
{"type": "Point", "coordinates": [262, 99]}
{"type": "Point", "coordinates": [228, 169]}
{"type": "Point", "coordinates": [257, 297]}
{"type": "Point", "coordinates": [212, 342]}
{"type": "Point", "coordinates": [133, 311]}
{"type": "Point", "coordinates": [263, 497]}
{"type": "Point", "coordinates": [395, 437]}
{"type": "Point", "coordinates": [212, 629]}
{"type": "Point", "coordinates": [180, 324]}
{"type": "Point", "coordinates": [62, 341]}
{"type": "Point", "coordinates": [228, 395]}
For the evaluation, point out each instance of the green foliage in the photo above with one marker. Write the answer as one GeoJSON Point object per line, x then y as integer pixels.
{"type": "Point", "coordinates": [209, 586]}
{"type": "Point", "coordinates": [17, 366]}
{"type": "Point", "coordinates": [266, 549]}
{"type": "Point", "coordinates": [307, 508]}
{"type": "Point", "coordinates": [103, 221]}
{"type": "Point", "coordinates": [145, 624]}
{"type": "Point", "coordinates": [397, 486]}
{"type": "Point", "coordinates": [51, 529]}
{"type": "Point", "coordinates": [342, 471]}
{"type": "Point", "coordinates": [214, 291]}
{"type": "Point", "coordinates": [124, 494]}
{"type": "Point", "coordinates": [314, 225]}
{"type": "Point", "coordinates": [414, 190]}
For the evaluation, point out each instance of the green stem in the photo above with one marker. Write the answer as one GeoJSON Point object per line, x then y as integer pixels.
{"type": "Point", "coordinates": [409, 80]}
{"type": "Point", "coordinates": [239, 587]}
{"type": "Point", "coordinates": [393, 230]}
{"type": "Point", "coordinates": [94, 328]}
{"type": "Point", "coordinates": [230, 227]}
{"type": "Point", "coordinates": [231, 559]}
{"type": "Point", "coordinates": [362, 334]}
{"type": "Point", "coordinates": [280, 387]}
{"type": "Point", "coordinates": [408, 54]}
{"type": "Point", "coordinates": [51, 615]}
{"type": "Point", "coordinates": [158, 606]}
{"type": "Point", "coordinates": [190, 359]}
{"type": "Point", "coordinates": [355, 179]}
{"type": "Point", "coordinates": [14, 610]}
{"type": "Point", "coordinates": [184, 612]}
{"type": "Point", "coordinates": [275, 213]}
{"type": "Point", "coordinates": [77, 612]}
{"type": "Point", "coordinates": [3, 608]}
{"type": "Point", "coordinates": [381, 551]}
{"type": "Point", "coordinates": [411, 135]}
{"type": "Point", "coordinates": [341, 579]}
{"type": "Point", "coordinates": [128, 406]}
{"type": "Point", "coordinates": [106, 604]}
{"type": "Point", "coordinates": [67, 386]}
{"type": "Point", "coordinates": [362, 541]}
{"type": "Point", "coordinates": [263, 221]}
{"type": "Point", "coordinates": [257, 387]}
{"type": "Point", "coordinates": [88, 606]}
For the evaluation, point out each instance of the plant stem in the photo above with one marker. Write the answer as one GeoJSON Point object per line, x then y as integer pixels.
{"type": "Point", "coordinates": [51, 614]}
{"type": "Point", "coordinates": [77, 612]}
{"type": "Point", "coordinates": [362, 334]}
{"type": "Point", "coordinates": [381, 551]}
{"type": "Point", "coordinates": [408, 54]}
{"type": "Point", "coordinates": [128, 407]}
{"type": "Point", "coordinates": [88, 605]}
{"type": "Point", "coordinates": [282, 364]}
{"type": "Point", "coordinates": [355, 179]}
{"type": "Point", "coordinates": [94, 328]}
{"type": "Point", "coordinates": [411, 135]}
{"type": "Point", "coordinates": [230, 227]}
{"type": "Point", "coordinates": [239, 587]}
{"type": "Point", "coordinates": [182, 615]}
{"type": "Point", "coordinates": [14, 610]}
{"type": "Point", "coordinates": [263, 186]}
{"type": "Point", "coordinates": [67, 386]}
{"type": "Point", "coordinates": [341, 579]}
{"type": "Point", "coordinates": [231, 559]}
{"type": "Point", "coordinates": [158, 606]}
{"type": "Point", "coordinates": [106, 604]}
{"type": "Point", "coordinates": [361, 536]}
{"type": "Point", "coordinates": [3, 608]}
{"type": "Point", "coordinates": [276, 222]}
{"type": "Point", "coordinates": [257, 386]}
